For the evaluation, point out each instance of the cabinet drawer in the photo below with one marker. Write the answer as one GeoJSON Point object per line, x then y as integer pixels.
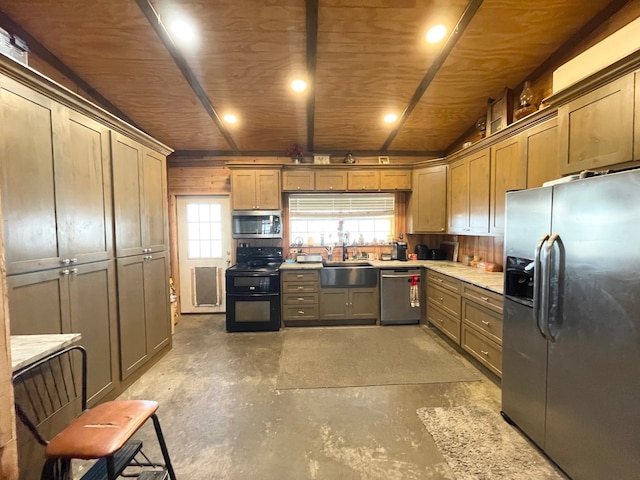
{"type": "Point", "coordinates": [299, 287]}
{"type": "Point", "coordinates": [300, 276]}
{"type": "Point", "coordinates": [446, 323]}
{"type": "Point", "coordinates": [307, 312]}
{"type": "Point", "coordinates": [482, 349]}
{"type": "Point", "coordinates": [489, 322]}
{"type": "Point", "coordinates": [491, 300]}
{"type": "Point", "coordinates": [447, 301]}
{"type": "Point", "coordinates": [302, 299]}
{"type": "Point", "coordinates": [444, 281]}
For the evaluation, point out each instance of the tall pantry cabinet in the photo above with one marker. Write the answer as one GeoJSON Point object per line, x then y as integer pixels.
{"type": "Point", "coordinates": [60, 182]}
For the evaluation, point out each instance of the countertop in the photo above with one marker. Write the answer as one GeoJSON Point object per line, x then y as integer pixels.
{"type": "Point", "coordinates": [26, 349]}
{"type": "Point", "coordinates": [490, 280]}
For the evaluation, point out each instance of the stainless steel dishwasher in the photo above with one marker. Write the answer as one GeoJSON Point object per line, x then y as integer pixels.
{"type": "Point", "coordinates": [395, 296]}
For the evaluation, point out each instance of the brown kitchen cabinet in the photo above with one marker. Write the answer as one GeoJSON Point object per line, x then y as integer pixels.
{"type": "Point", "coordinates": [298, 180]}
{"type": "Point", "coordinates": [427, 205]}
{"type": "Point", "coordinates": [255, 189]}
{"type": "Point", "coordinates": [359, 305]}
{"type": "Point", "coordinates": [75, 299]}
{"type": "Point", "coordinates": [331, 180]}
{"type": "Point", "coordinates": [363, 180]}
{"type": "Point", "coordinates": [140, 201]}
{"type": "Point", "coordinates": [468, 194]}
{"type": "Point", "coordinates": [55, 180]}
{"type": "Point", "coordinates": [300, 297]}
{"type": "Point", "coordinates": [443, 304]}
{"type": "Point", "coordinates": [392, 180]}
{"type": "Point", "coordinates": [540, 151]}
{"type": "Point", "coordinates": [596, 130]}
{"type": "Point", "coordinates": [144, 319]}
{"type": "Point", "coordinates": [482, 326]}
{"type": "Point", "coordinates": [508, 172]}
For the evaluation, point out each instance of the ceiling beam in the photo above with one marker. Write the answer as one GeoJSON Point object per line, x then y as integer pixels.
{"type": "Point", "coordinates": [456, 33]}
{"type": "Point", "coordinates": [43, 53]}
{"type": "Point", "coordinates": [181, 62]}
{"type": "Point", "coordinates": [312, 57]}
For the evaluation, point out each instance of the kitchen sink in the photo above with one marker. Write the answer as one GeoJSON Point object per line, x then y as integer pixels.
{"type": "Point", "coordinates": [348, 275]}
{"type": "Point", "coordinates": [346, 263]}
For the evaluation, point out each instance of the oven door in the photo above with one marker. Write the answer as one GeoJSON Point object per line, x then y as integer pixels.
{"type": "Point", "coordinates": [253, 312]}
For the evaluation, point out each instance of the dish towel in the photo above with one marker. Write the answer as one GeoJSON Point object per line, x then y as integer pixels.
{"type": "Point", "coordinates": [414, 293]}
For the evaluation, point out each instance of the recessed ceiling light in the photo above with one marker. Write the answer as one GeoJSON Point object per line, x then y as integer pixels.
{"type": "Point", "coordinates": [437, 33]}
{"type": "Point", "coordinates": [229, 118]}
{"type": "Point", "coordinates": [299, 85]}
{"type": "Point", "coordinates": [390, 117]}
{"type": "Point", "coordinates": [182, 30]}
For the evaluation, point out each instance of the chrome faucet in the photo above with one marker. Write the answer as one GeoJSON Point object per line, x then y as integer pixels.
{"type": "Point", "coordinates": [345, 253]}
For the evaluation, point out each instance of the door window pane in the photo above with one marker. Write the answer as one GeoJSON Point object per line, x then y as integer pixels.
{"type": "Point", "coordinates": [204, 230]}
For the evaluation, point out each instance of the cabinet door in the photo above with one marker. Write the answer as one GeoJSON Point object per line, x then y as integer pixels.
{"type": "Point", "coordinates": [92, 303]}
{"type": "Point", "coordinates": [427, 204]}
{"type": "Point", "coordinates": [39, 302]}
{"type": "Point", "coordinates": [540, 149]}
{"type": "Point", "coordinates": [156, 301]}
{"type": "Point", "coordinates": [507, 173]}
{"type": "Point", "coordinates": [154, 190]}
{"type": "Point", "coordinates": [458, 197]}
{"type": "Point", "coordinates": [29, 141]}
{"type": "Point", "coordinates": [363, 303]}
{"type": "Point", "coordinates": [596, 130]}
{"type": "Point", "coordinates": [243, 190]}
{"type": "Point", "coordinates": [126, 156]}
{"type": "Point", "coordinates": [363, 180]}
{"type": "Point", "coordinates": [268, 189]}
{"type": "Point", "coordinates": [331, 180]}
{"type": "Point", "coordinates": [298, 181]}
{"type": "Point", "coordinates": [395, 180]}
{"type": "Point", "coordinates": [131, 318]}
{"type": "Point", "coordinates": [83, 190]}
{"type": "Point", "coordinates": [334, 303]}
{"type": "Point", "coordinates": [479, 168]}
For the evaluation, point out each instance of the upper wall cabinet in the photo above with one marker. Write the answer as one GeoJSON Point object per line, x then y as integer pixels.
{"type": "Point", "coordinates": [395, 180]}
{"type": "Point", "coordinates": [363, 180]}
{"type": "Point", "coordinates": [508, 172]}
{"type": "Point", "coordinates": [540, 150]}
{"type": "Point", "coordinates": [427, 206]}
{"type": "Point", "coordinates": [140, 204]}
{"type": "Point", "coordinates": [331, 180]}
{"type": "Point", "coordinates": [468, 194]}
{"type": "Point", "coordinates": [255, 189]}
{"type": "Point", "coordinates": [56, 182]}
{"type": "Point", "coordinates": [298, 180]}
{"type": "Point", "coordinates": [597, 129]}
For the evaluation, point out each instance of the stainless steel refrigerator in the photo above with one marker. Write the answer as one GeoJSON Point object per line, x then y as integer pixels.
{"type": "Point", "coordinates": [571, 339]}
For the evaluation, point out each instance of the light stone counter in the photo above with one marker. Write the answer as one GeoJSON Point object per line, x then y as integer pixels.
{"type": "Point", "coordinates": [490, 280]}
{"type": "Point", "coordinates": [26, 349]}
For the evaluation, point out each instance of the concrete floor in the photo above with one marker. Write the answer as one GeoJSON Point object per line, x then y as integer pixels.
{"type": "Point", "coordinates": [224, 419]}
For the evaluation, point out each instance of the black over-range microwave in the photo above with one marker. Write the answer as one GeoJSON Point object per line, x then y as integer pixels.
{"type": "Point", "coordinates": [256, 224]}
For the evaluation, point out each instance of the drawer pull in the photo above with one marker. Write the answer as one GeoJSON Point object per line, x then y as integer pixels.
{"type": "Point", "coordinates": [439, 280]}
{"type": "Point", "coordinates": [486, 299]}
{"type": "Point", "coordinates": [441, 299]}
{"type": "Point", "coordinates": [485, 322]}
{"type": "Point", "coordinates": [300, 299]}
{"type": "Point", "coordinates": [486, 354]}
{"type": "Point", "coordinates": [299, 276]}
{"type": "Point", "coordinates": [300, 288]}
{"type": "Point", "coordinates": [300, 312]}
{"type": "Point", "coordinates": [440, 320]}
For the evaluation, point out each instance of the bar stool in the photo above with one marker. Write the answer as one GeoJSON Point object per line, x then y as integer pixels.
{"type": "Point", "coordinates": [55, 385]}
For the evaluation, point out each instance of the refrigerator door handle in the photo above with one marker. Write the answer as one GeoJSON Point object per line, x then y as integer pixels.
{"type": "Point", "coordinates": [537, 275]}
{"type": "Point", "coordinates": [546, 282]}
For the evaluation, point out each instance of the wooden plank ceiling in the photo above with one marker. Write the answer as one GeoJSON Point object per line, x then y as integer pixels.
{"type": "Point", "coordinates": [368, 58]}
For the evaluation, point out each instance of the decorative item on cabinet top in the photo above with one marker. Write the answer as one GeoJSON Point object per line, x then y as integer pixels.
{"type": "Point", "coordinates": [296, 152]}
{"type": "Point", "coordinates": [349, 158]}
{"type": "Point", "coordinates": [321, 158]}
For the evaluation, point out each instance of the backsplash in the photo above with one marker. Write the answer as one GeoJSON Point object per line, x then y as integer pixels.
{"type": "Point", "coordinates": [489, 249]}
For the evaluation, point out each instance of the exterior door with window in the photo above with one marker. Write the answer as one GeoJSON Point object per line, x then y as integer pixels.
{"type": "Point", "coordinates": [204, 252]}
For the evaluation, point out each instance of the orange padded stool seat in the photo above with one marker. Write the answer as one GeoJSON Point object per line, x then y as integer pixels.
{"type": "Point", "coordinates": [101, 431]}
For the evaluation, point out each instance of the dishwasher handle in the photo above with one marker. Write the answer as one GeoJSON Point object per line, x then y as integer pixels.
{"type": "Point", "coordinates": [401, 275]}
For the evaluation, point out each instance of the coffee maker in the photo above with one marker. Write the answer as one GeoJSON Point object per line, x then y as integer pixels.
{"type": "Point", "coordinates": [399, 251]}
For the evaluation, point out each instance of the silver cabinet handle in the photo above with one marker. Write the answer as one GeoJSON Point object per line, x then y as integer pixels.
{"type": "Point", "coordinates": [74, 270]}
{"type": "Point", "coordinates": [66, 271]}
{"type": "Point", "coordinates": [300, 312]}
{"type": "Point", "coordinates": [148, 257]}
{"type": "Point", "coordinates": [65, 261]}
{"type": "Point", "coordinates": [486, 299]}
{"type": "Point", "coordinates": [485, 353]}
{"type": "Point", "coordinates": [300, 299]}
{"type": "Point", "coordinates": [485, 322]}
{"type": "Point", "coordinates": [73, 260]}
{"type": "Point", "coordinates": [537, 275]}
{"type": "Point", "coordinates": [439, 280]}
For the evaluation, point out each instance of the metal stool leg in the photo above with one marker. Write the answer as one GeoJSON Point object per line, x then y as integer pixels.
{"type": "Point", "coordinates": [163, 447]}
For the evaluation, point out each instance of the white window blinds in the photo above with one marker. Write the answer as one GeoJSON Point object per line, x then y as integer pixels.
{"type": "Point", "coordinates": [343, 204]}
